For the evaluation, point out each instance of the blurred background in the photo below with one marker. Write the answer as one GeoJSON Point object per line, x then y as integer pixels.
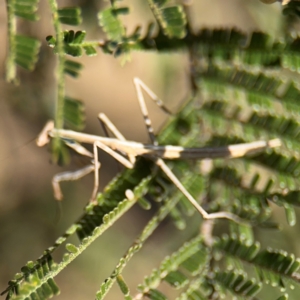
{"type": "Point", "coordinates": [28, 211]}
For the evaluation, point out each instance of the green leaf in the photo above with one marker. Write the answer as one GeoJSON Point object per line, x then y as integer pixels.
{"type": "Point", "coordinates": [144, 203]}
{"type": "Point", "coordinates": [33, 274]}
{"type": "Point", "coordinates": [291, 197]}
{"type": "Point", "coordinates": [73, 68]}
{"type": "Point", "coordinates": [171, 19]}
{"type": "Point", "coordinates": [75, 51]}
{"type": "Point", "coordinates": [70, 15]}
{"type": "Point", "coordinates": [156, 295]}
{"type": "Point", "coordinates": [178, 218]}
{"type": "Point", "coordinates": [27, 50]}
{"type": "Point", "coordinates": [71, 248]}
{"type": "Point", "coordinates": [283, 297]}
{"type": "Point", "coordinates": [290, 214]}
{"type": "Point", "coordinates": [176, 279]}
{"type": "Point", "coordinates": [111, 24]}
{"type": "Point", "coordinates": [51, 41]}
{"type": "Point", "coordinates": [123, 286]}
{"type": "Point", "coordinates": [90, 50]}
{"type": "Point", "coordinates": [160, 3]}
{"type": "Point", "coordinates": [26, 9]}
{"type": "Point", "coordinates": [78, 37]}
{"type": "Point", "coordinates": [74, 113]}
{"type": "Point", "coordinates": [195, 262]}
{"type": "Point", "coordinates": [74, 43]}
{"type": "Point", "coordinates": [238, 283]}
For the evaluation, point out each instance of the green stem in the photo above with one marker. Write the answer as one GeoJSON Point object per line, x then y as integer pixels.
{"type": "Point", "coordinates": [11, 69]}
{"type": "Point", "coordinates": [156, 12]}
{"type": "Point", "coordinates": [59, 107]}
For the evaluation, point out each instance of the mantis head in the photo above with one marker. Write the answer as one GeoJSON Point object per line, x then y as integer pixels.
{"type": "Point", "coordinates": [43, 138]}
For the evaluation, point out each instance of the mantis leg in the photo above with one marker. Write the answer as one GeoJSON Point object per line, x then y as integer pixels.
{"type": "Point", "coordinates": [139, 85]}
{"type": "Point", "coordinates": [67, 176]}
{"type": "Point", "coordinates": [95, 166]}
{"type": "Point", "coordinates": [112, 153]}
{"type": "Point", "coordinates": [72, 175]}
{"type": "Point", "coordinates": [106, 122]}
{"type": "Point", "coordinates": [162, 165]}
{"type": "Point", "coordinates": [193, 201]}
{"type": "Point", "coordinates": [75, 175]}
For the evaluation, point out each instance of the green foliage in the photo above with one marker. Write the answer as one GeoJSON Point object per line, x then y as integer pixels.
{"type": "Point", "coordinates": [245, 97]}
{"type": "Point", "coordinates": [25, 9]}
{"type": "Point", "coordinates": [89, 227]}
{"type": "Point", "coordinates": [34, 274]}
{"type": "Point", "coordinates": [72, 68]}
{"type": "Point", "coordinates": [292, 9]}
{"type": "Point", "coordinates": [70, 15]}
{"type": "Point", "coordinates": [23, 50]}
{"type": "Point", "coordinates": [74, 114]}
{"type": "Point", "coordinates": [111, 24]}
{"type": "Point", "coordinates": [26, 51]}
{"type": "Point", "coordinates": [171, 19]}
{"type": "Point", "coordinates": [74, 44]}
{"type": "Point", "coordinates": [274, 267]}
{"type": "Point", "coordinates": [238, 283]}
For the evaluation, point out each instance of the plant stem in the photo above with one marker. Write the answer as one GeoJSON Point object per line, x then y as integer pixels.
{"type": "Point", "coordinates": [59, 105]}
{"type": "Point", "coordinates": [11, 69]}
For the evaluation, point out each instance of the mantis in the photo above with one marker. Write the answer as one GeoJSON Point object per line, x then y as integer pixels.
{"type": "Point", "coordinates": [126, 152]}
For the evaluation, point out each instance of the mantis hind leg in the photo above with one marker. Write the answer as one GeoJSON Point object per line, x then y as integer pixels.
{"type": "Point", "coordinates": [218, 215]}
{"type": "Point", "coordinates": [115, 155]}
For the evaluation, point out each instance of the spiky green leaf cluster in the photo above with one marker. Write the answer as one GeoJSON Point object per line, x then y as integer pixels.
{"type": "Point", "coordinates": [274, 267]}
{"type": "Point", "coordinates": [27, 50]}
{"type": "Point", "coordinates": [74, 44]}
{"type": "Point", "coordinates": [33, 275]}
{"type": "Point", "coordinates": [23, 50]}
{"type": "Point", "coordinates": [171, 19]}
{"type": "Point", "coordinates": [70, 15]}
{"type": "Point", "coordinates": [195, 268]}
{"type": "Point", "coordinates": [25, 9]}
{"type": "Point", "coordinates": [111, 24]}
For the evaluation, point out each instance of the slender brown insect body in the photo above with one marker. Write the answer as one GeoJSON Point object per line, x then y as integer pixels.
{"type": "Point", "coordinates": [126, 152]}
